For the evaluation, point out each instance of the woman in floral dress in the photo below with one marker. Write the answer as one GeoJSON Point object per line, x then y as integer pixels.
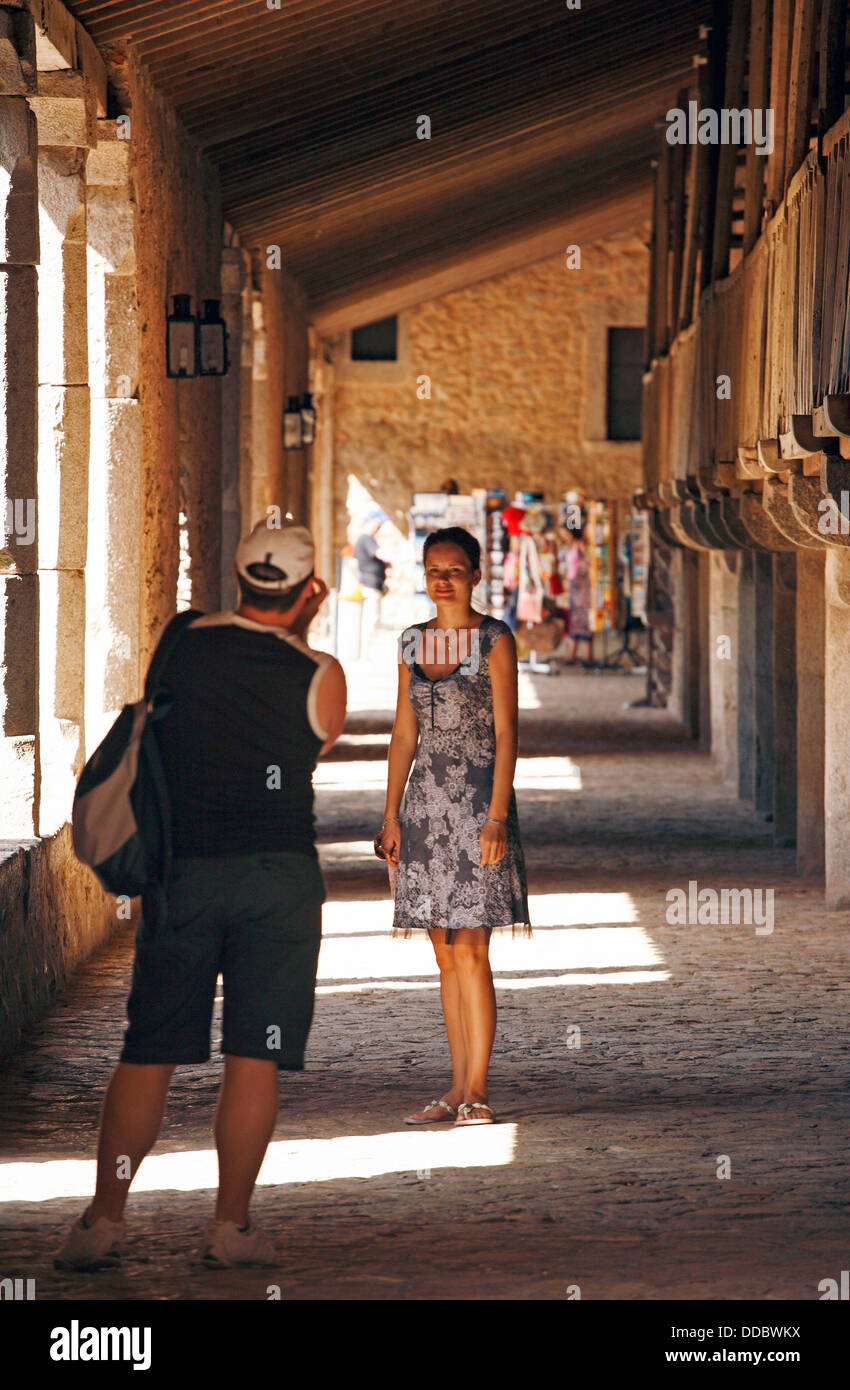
{"type": "Point", "coordinates": [454, 832]}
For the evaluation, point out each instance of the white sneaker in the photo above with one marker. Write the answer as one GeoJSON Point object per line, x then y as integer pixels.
{"type": "Point", "coordinates": [226, 1246]}
{"type": "Point", "coordinates": [91, 1247]}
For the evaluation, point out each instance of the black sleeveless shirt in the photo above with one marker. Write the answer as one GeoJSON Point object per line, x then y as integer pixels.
{"type": "Point", "coordinates": [241, 740]}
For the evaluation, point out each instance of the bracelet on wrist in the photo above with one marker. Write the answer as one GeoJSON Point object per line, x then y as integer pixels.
{"type": "Point", "coordinates": [391, 820]}
{"type": "Point", "coordinates": [495, 820]}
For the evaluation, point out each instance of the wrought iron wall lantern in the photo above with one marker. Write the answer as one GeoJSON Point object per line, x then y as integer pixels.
{"type": "Point", "coordinates": [292, 424]}
{"type": "Point", "coordinates": [193, 347]}
{"type": "Point", "coordinates": [212, 337]}
{"type": "Point", "coordinates": [299, 422]}
{"type": "Point", "coordinates": [308, 418]}
{"type": "Point", "coordinates": [181, 339]}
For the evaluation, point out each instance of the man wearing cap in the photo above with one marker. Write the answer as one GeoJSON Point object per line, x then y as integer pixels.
{"type": "Point", "coordinates": [253, 708]}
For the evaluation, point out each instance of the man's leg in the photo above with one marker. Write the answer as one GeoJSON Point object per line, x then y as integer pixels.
{"type": "Point", "coordinates": [244, 1124]}
{"type": "Point", "coordinates": [133, 1108]}
{"type": "Point", "coordinates": [269, 962]}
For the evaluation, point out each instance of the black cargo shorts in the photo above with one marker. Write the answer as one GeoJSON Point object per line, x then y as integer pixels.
{"type": "Point", "coordinates": [255, 919]}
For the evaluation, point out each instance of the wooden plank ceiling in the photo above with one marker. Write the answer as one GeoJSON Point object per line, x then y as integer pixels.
{"type": "Point", "coordinates": [542, 117]}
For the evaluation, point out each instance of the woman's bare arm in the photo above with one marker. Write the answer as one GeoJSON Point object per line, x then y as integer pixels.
{"type": "Point", "coordinates": [503, 680]}
{"type": "Point", "coordinates": [405, 737]}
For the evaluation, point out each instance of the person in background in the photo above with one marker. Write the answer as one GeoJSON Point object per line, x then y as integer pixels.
{"type": "Point", "coordinates": [372, 568]}
{"type": "Point", "coordinates": [578, 573]}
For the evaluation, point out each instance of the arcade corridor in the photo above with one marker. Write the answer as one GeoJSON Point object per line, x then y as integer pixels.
{"type": "Point", "coordinates": [212, 214]}
{"type": "Point", "coordinates": [695, 1042]}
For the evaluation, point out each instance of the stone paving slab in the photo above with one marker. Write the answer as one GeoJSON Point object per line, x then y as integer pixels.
{"type": "Point", "coordinates": [696, 1042]}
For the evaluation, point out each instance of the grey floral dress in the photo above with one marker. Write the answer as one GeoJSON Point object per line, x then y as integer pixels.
{"type": "Point", "coordinates": [441, 881]}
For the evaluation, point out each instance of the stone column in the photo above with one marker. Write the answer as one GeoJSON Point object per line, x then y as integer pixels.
{"type": "Point", "coordinates": [764, 723]}
{"type": "Point", "coordinates": [703, 655]}
{"type": "Point", "coordinates": [663, 615]}
{"type": "Point", "coordinates": [66, 118]}
{"type": "Point", "coordinates": [232, 285]}
{"type": "Point", "coordinates": [691, 654]}
{"type": "Point", "coordinates": [114, 564]}
{"type": "Point", "coordinates": [19, 253]}
{"type": "Point", "coordinates": [785, 699]}
{"type": "Point", "coordinates": [322, 520]}
{"type": "Point", "coordinates": [746, 678]}
{"type": "Point", "coordinates": [258, 498]}
{"type": "Point", "coordinates": [810, 645]}
{"type": "Point", "coordinates": [837, 728]}
{"type": "Point", "coordinates": [723, 663]}
{"type": "Point", "coordinates": [246, 401]}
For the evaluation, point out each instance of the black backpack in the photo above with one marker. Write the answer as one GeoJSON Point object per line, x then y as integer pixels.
{"type": "Point", "coordinates": [121, 821]}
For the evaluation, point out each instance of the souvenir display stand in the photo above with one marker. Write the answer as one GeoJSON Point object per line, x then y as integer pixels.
{"type": "Point", "coordinates": [430, 512]}
{"type": "Point", "coordinates": [632, 554]}
{"type": "Point", "coordinates": [526, 567]}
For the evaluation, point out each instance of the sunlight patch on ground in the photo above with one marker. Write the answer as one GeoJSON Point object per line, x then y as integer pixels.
{"type": "Point", "coordinates": [547, 774]}
{"type": "Point", "coordinates": [347, 918]}
{"type": "Point", "coordinates": [565, 948]}
{"type": "Point", "coordinates": [583, 931]}
{"type": "Point", "coordinates": [597, 977]}
{"type": "Point", "coordinates": [357, 740]}
{"type": "Point", "coordinates": [528, 697]}
{"type": "Point", "coordinates": [352, 776]}
{"type": "Point", "coordinates": [286, 1161]}
{"type": "Point", "coordinates": [332, 851]}
{"type": "Point", "coordinates": [541, 774]}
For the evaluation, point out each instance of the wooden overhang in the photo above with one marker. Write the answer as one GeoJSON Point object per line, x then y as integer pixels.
{"type": "Point", "coordinates": [542, 127]}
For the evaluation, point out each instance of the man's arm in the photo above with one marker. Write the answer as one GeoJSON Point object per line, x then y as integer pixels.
{"type": "Point", "coordinates": [331, 698]}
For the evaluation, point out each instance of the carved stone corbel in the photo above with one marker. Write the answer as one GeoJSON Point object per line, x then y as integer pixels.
{"type": "Point", "coordinates": [806, 496]}
{"type": "Point", "coordinates": [769, 455]}
{"type": "Point", "coordinates": [761, 525]}
{"type": "Point", "coordinates": [837, 576]}
{"type": "Point", "coordinates": [778, 507]}
{"type": "Point", "coordinates": [833, 416]}
{"type": "Point", "coordinates": [807, 440]}
{"type": "Point", "coordinates": [748, 465]}
{"type": "Point", "coordinates": [714, 508]}
{"type": "Point", "coordinates": [731, 513]}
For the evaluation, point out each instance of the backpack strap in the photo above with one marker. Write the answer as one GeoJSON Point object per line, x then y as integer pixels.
{"type": "Point", "coordinates": [165, 646]}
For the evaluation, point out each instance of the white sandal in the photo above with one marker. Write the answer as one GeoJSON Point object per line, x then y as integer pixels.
{"type": "Point", "coordinates": [433, 1105]}
{"type": "Point", "coordinates": [464, 1113]}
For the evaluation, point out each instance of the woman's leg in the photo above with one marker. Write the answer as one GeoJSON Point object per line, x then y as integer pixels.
{"type": "Point", "coordinates": [471, 950]}
{"type": "Point", "coordinates": [450, 998]}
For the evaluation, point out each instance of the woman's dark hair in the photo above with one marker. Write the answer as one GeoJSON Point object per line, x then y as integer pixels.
{"type": "Point", "coordinates": [455, 535]}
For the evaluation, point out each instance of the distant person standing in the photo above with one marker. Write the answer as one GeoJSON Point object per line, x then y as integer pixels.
{"type": "Point", "coordinates": [372, 569]}
{"type": "Point", "coordinates": [578, 573]}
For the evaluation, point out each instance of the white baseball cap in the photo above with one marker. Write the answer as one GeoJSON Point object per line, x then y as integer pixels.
{"type": "Point", "coordinates": [274, 558]}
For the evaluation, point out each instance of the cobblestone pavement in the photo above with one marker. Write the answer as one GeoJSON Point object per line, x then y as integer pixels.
{"type": "Point", "coordinates": [696, 1042]}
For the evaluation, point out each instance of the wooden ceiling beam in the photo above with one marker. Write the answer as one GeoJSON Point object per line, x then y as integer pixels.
{"type": "Point", "coordinates": [413, 285]}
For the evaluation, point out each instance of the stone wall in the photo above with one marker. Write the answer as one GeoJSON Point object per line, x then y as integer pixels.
{"type": "Point", "coordinates": [179, 244]}
{"type": "Point", "coordinates": [131, 215]}
{"type": "Point", "coordinates": [516, 369]}
{"type": "Point", "coordinates": [287, 354]}
{"type": "Point", "coordinates": [53, 914]}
